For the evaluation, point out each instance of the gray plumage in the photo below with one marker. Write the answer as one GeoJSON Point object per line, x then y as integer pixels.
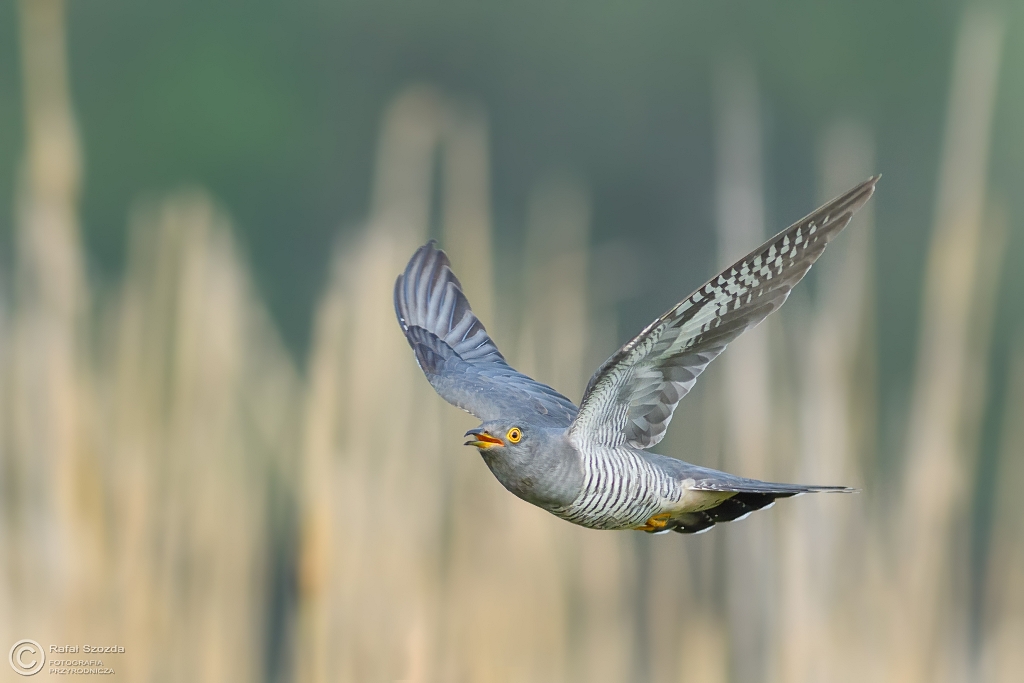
{"type": "Point", "coordinates": [589, 465]}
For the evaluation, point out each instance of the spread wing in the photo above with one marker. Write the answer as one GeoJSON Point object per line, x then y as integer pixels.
{"type": "Point", "coordinates": [630, 399]}
{"type": "Point", "coordinates": [456, 354]}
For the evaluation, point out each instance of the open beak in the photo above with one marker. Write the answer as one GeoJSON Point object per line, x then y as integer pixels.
{"type": "Point", "coordinates": [482, 439]}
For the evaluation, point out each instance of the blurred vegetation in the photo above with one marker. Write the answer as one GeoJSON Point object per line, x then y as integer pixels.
{"type": "Point", "coordinates": [275, 108]}
{"type": "Point", "coordinates": [216, 448]}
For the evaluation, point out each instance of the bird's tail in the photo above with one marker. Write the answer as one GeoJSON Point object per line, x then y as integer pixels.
{"type": "Point", "coordinates": [758, 495]}
{"type": "Point", "coordinates": [748, 495]}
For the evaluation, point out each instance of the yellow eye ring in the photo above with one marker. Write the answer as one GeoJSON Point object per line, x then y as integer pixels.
{"type": "Point", "coordinates": [515, 435]}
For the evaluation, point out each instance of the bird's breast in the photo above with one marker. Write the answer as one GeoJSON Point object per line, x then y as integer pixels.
{"type": "Point", "coordinates": [621, 490]}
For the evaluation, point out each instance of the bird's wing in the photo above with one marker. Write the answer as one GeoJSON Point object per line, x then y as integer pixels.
{"type": "Point", "coordinates": [458, 356]}
{"type": "Point", "coordinates": [630, 399]}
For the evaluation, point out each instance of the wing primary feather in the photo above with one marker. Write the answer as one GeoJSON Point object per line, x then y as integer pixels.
{"type": "Point", "coordinates": [456, 354]}
{"type": "Point", "coordinates": [632, 396]}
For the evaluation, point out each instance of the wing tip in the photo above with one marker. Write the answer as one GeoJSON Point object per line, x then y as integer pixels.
{"type": "Point", "coordinates": [426, 268]}
{"type": "Point", "coordinates": [858, 196]}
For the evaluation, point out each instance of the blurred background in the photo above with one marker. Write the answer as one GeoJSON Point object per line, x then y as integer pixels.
{"type": "Point", "coordinates": [217, 452]}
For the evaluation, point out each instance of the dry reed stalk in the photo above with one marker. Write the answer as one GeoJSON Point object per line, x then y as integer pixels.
{"type": "Point", "coordinates": [981, 327]}
{"type": "Point", "coordinates": [938, 462]}
{"type": "Point", "coordinates": [466, 210]}
{"type": "Point", "coordinates": [57, 554]}
{"type": "Point", "coordinates": [819, 531]}
{"type": "Point", "coordinates": [321, 416]}
{"type": "Point", "coordinates": [553, 341]}
{"type": "Point", "coordinates": [746, 372]}
{"type": "Point", "coordinates": [685, 633]}
{"type": "Point", "coordinates": [503, 619]}
{"type": "Point", "coordinates": [1002, 659]}
{"type": "Point", "coordinates": [386, 504]}
{"type": "Point", "coordinates": [201, 418]}
{"type": "Point", "coordinates": [474, 518]}
{"type": "Point", "coordinates": [592, 572]}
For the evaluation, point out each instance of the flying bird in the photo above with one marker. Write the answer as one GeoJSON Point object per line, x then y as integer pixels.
{"type": "Point", "coordinates": [591, 465]}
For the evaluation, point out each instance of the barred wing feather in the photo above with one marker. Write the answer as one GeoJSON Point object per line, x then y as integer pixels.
{"type": "Point", "coordinates": [630, 399]}
{"type": "Point", "coordinates": [457, 355]}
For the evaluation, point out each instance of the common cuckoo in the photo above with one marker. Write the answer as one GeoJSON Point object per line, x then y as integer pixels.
{"type": "Point", "coordinates": [590, 464]}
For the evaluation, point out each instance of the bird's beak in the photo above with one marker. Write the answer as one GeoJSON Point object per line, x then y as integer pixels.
{"type": "Point", "coordinates": [482, 439]}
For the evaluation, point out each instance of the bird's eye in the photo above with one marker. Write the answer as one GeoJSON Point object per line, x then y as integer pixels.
{"type": "Point", "coordinates": [515, 435]}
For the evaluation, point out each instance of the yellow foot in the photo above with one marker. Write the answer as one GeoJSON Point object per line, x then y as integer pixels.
{"type": "Point", "coordinates": [655, 523]}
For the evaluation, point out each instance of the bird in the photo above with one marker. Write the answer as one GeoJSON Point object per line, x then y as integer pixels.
{"type": "Point", "coordinates": [591, 464]}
